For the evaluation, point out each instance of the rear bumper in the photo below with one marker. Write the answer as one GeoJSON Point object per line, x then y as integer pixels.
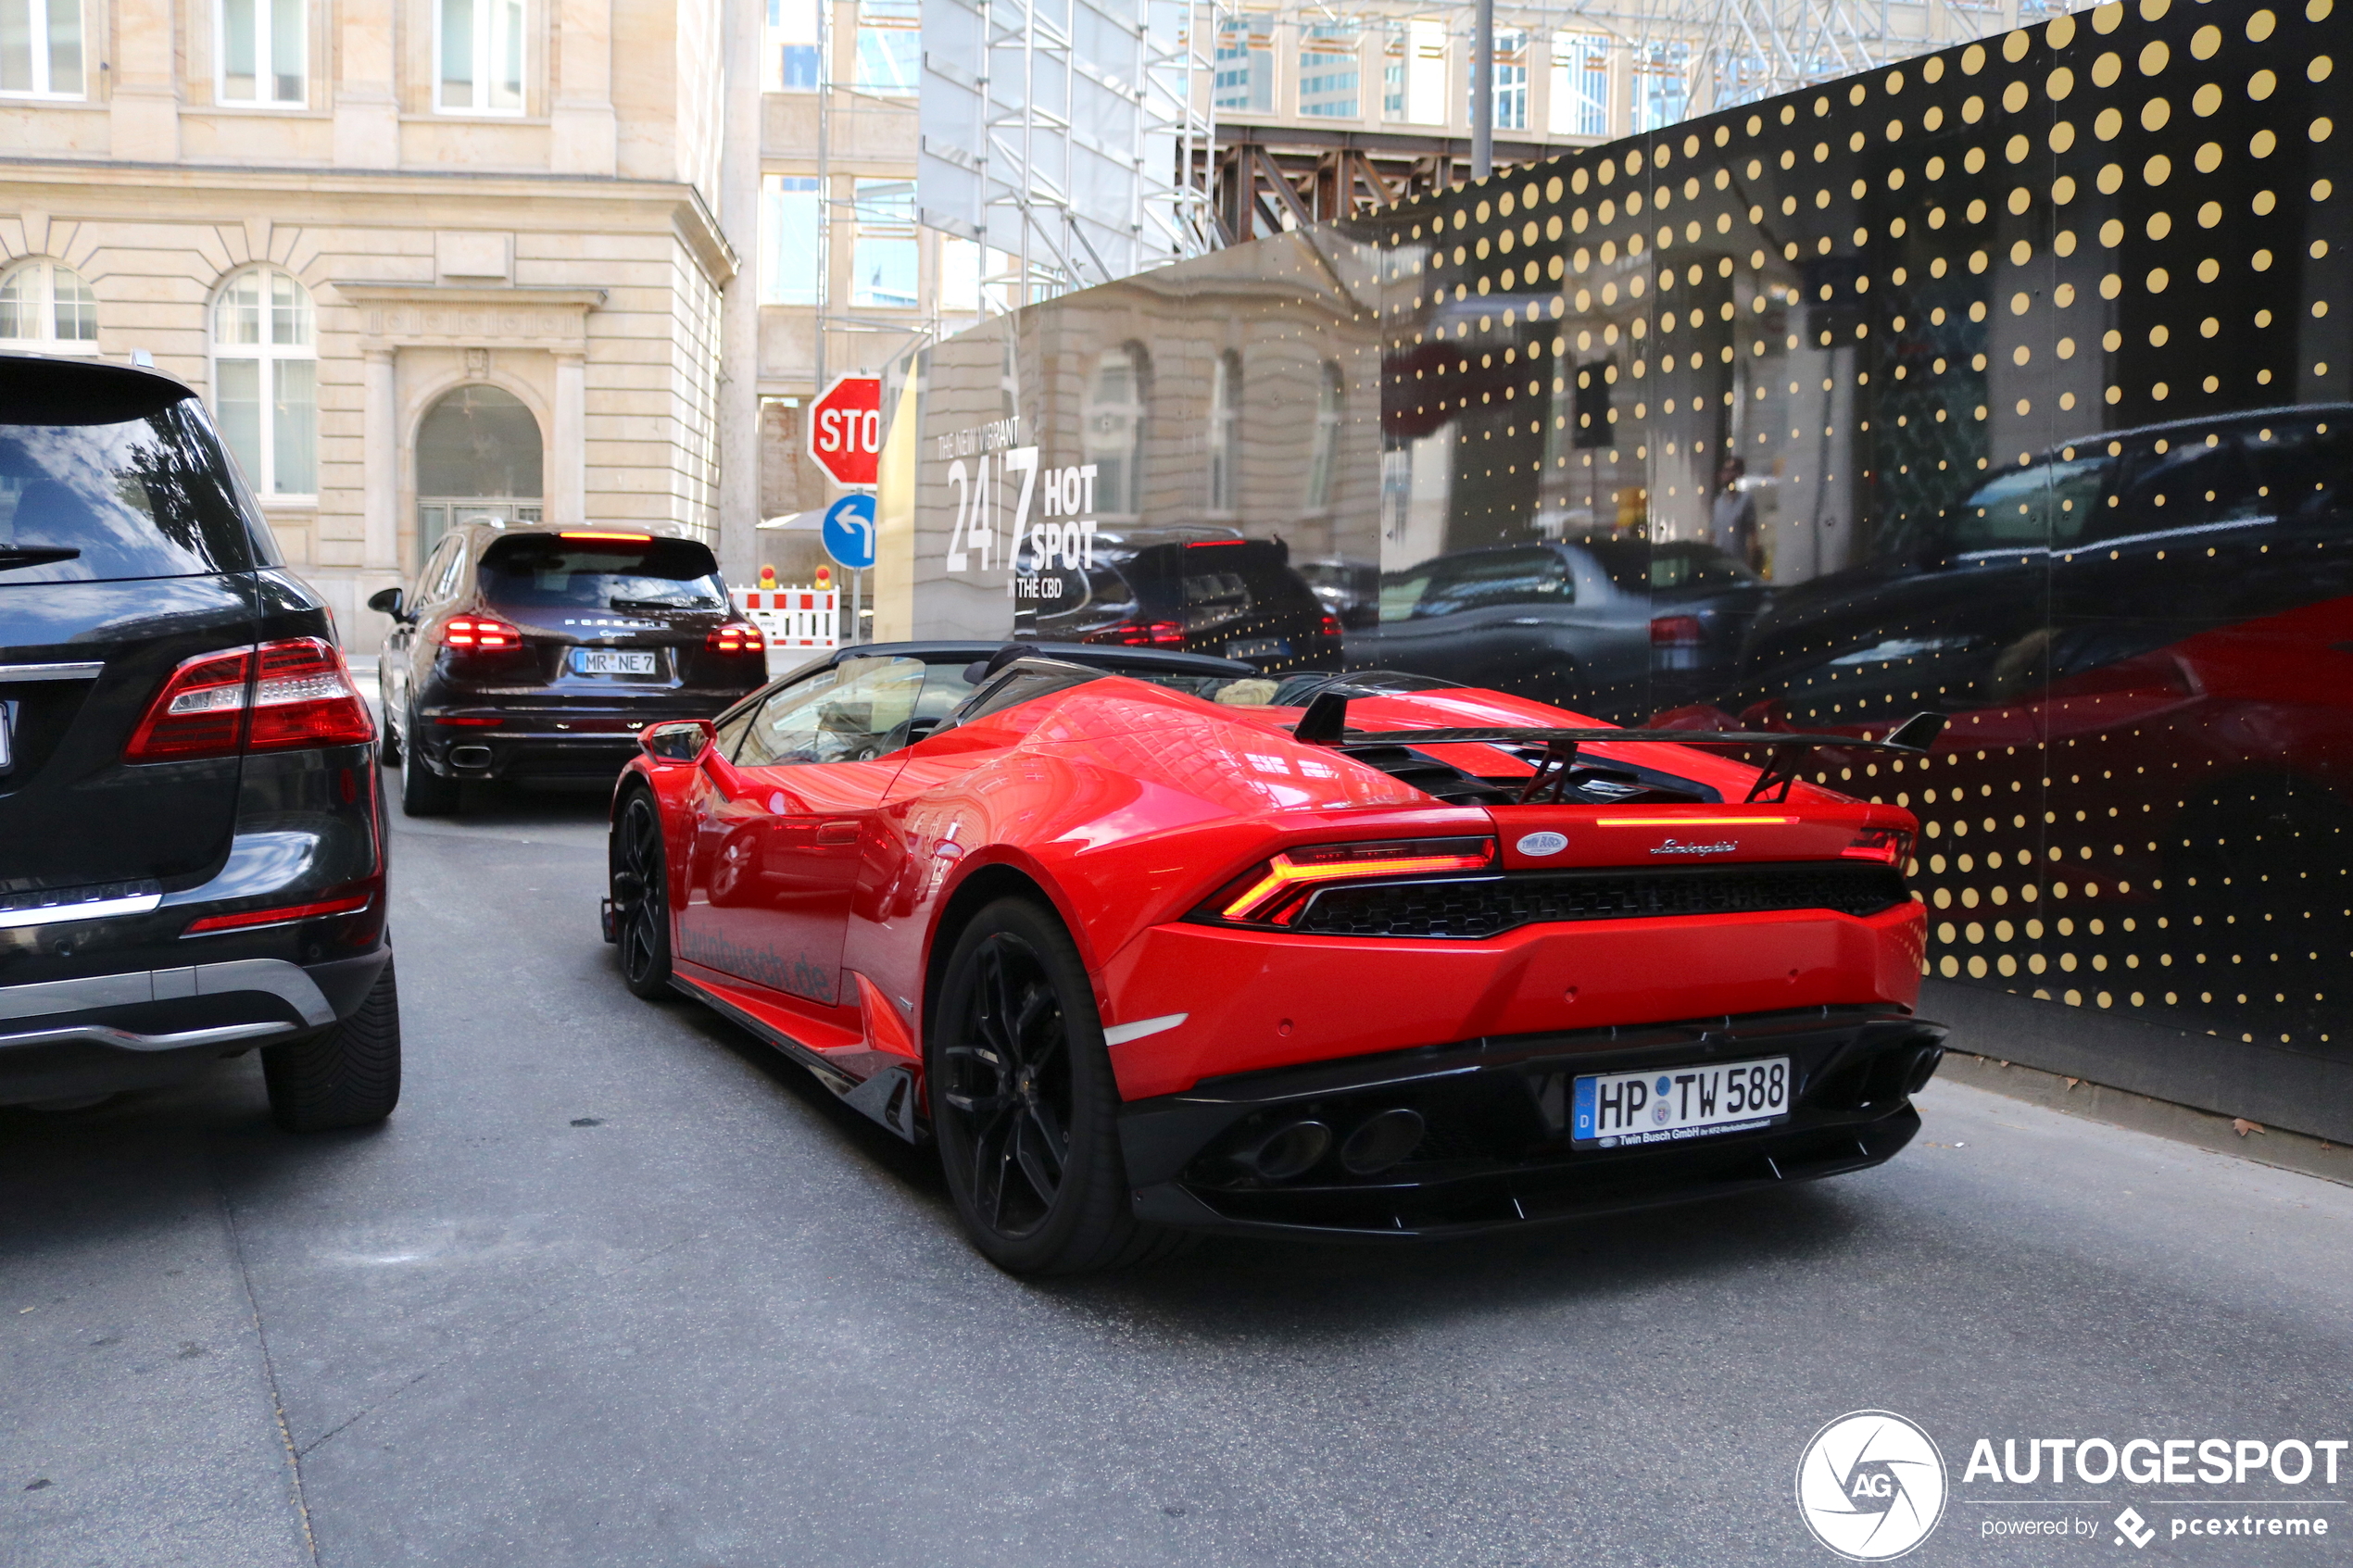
{"type": "Point", "coordinates": [103, 1033]}
{"type": "Point", "coordinates": [541, 744]}
{"type": "Point", "coordinates": [1495, 1154]}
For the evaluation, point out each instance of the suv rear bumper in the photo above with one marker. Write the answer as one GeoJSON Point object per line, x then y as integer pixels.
{"type": "Point", "coordinates": [102, 1033]}
{"type": "Point", "coordinates": [541, 745]}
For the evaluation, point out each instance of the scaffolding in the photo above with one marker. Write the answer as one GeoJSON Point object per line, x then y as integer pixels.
{"type": "Point", "coordinates": [1059, 135]}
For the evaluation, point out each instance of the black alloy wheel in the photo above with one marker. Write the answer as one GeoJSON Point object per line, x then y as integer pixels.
{"type": "Point", "coordinates": [640, 875]}
{"type": "Point", "coordinates": [1024, 1104]}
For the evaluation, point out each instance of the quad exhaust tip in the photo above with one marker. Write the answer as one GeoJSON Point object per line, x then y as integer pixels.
{"type": "Point", "coordinates": [1289, 1151]}
{"type": "Point", "coordinates": [1380, 1141]}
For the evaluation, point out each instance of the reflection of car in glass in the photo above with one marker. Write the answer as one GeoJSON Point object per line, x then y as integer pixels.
{"type": "Point", "coordinates": [2148, 640]}
{"type": "Point", "coordinates": [1612, 626]}
{"type": "Point", "coordinates": [1350, 589]}
{"type": "Point", "coordinates": [1196, 589]}
{"type": "Point", "coordinates": [1144, 960]}
{"type": "Point", "coordinates": [191, 838]}
{"type": "Point", "coordinates": [528, 652]}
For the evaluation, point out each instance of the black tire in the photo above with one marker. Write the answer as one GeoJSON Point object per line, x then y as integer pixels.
{"type": "Point", "coordinates": [423, 793]}
{"type": "Point", "coordinates": [388, 749]}
{"type": "Point", "coordinates": [348, 1076]}
{"type": "Point", "coordinates": [641, 908]}
{"type": "Point", "coordinates": [1024, 1104]}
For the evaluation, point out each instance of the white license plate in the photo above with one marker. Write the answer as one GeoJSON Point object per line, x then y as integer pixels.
{"type": "Point", "coordinates": [611, 661]}
{"type": "Point", "coordinates": [1668, 1104]}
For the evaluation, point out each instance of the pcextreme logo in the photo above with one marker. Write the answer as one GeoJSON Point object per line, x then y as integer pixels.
{"type": "Point", "coordinates": [1870, 1485]}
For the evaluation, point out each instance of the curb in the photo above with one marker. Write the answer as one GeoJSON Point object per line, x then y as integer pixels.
{"type": "Point", "coordinates": [2222, 1134]}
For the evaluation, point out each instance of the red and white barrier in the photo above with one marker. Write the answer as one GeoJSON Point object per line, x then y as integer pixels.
{"type": "Point", "coordinates": [796, 618]}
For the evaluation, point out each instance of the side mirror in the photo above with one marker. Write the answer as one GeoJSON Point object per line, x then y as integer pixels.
{"type": "Point", "coordinates": [389, 601]}
{"type": "Point", "coordinates": [681, 740]}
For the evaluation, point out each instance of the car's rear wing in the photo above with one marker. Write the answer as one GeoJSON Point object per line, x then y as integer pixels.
{"type": "Point", "coordinates": [1326, 724]}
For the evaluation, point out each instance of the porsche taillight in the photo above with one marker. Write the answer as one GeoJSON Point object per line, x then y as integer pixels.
{"type": "Point", "coordinates": [1140, 635]}
{"type": "Point", "coordinates": [480, 633]}
{"type": "Point", "coordinates": [736, 636]}
{"type": "Point", "coordinates": [1270, 893]}
{"type": "Point", "coordinates": [281, 695]}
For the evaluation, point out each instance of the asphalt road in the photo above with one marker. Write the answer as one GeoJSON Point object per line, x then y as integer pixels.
{"type": "Point", "coordinates": [616, 1285]}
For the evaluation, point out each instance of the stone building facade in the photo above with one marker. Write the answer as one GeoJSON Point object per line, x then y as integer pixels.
{"type": "Point", "coordinates": [424, 258]}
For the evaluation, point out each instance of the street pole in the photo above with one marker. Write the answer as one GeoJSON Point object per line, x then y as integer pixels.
{"type": "Point", "coordinates": [1482, 96]}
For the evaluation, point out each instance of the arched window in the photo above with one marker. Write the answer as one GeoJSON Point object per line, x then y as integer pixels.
{"type": "Point", "coordinates": [265, 380]}
{"type": "Point", "coordinates": [1117, 401]}
{"type": "Point", "coordinates": [45, 304]}
{"type": "Point", "coordinates": [1323, 458]}
{"type": "Point", "coordinates": [1225, 431]}
{"type": "Point", "coordinates": [478, 454]}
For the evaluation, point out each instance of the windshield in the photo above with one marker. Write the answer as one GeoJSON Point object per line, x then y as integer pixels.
{"type": "Point", "coordinates": [556, 570]}
{"type": "Point", "coordinates": [146, 498]}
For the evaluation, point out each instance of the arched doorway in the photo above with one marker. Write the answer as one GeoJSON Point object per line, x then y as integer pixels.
{"type": "Point", "coordinates": [478, 454]}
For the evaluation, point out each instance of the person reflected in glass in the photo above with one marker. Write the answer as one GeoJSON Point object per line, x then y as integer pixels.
{"type": "Point", "coordinates": [1731, 519]}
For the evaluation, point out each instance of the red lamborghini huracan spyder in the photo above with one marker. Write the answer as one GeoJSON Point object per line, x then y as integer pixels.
{"type": "Point", "coordinates": [1149, 944]}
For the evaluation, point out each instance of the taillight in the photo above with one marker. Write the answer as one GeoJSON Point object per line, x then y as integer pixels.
{"type": "Point", "coordinates": [736, 636]}
{"type": "Point", "coordinates": [284, 695]}
{"type": "Point", "coordinates": [480, 633]}
{"type": "Point", "coordinates": [1888, 846]}
{"type": "Point", "coordinates": [1140, 635]}
{"type": "Point", "coordinates": [1676, 631]}
{"type": "Point", "coordinates": [303, 696]}
{"type": "Point", "coordinates": [248, 920]}
{"type": "Point", "coordinates": [1331, 628]}
{"type": "Point", "coordinates": [200, 712]}
{"type": "Point", "coordinates": [1263, 895]}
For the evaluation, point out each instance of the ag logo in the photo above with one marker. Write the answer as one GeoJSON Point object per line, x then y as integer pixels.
{"type": "Point", "coordinates": [1870, 1485]}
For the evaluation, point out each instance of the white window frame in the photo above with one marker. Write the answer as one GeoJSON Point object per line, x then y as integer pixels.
{"type": "Point", "coordinates": [1224, 499]}
{"type": "Point", "coordinates": [268, 354]}
{"type": "Point", "coordinates": [46, 340]}
{"type": "Point", "coordinates": [38, 15]}
{"type": "Point", "coordinates": [265, 60]}
{"type": "Point", "coordinates": [1580, 60]}
{"type": "Point", "coordinates": [484, 41]}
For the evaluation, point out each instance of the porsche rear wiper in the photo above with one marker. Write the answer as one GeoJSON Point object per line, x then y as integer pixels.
{"type": "Point", "coordinates": [1326, 724]}
{"type": "Point", "coordinates": [12, 557]}
{"type": "Point", "coordinates": [661, 603]}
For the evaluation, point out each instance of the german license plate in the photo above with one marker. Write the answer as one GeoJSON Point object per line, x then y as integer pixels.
{"type": "Point", "coordinates": [1257, 648]}
{"type": "Point", "coordinates": [1668, 1104]}
{"type": "Point", "coordinates": [613, 661]}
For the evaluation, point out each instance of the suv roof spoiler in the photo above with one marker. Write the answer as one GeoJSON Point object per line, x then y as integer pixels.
{"type": "Point", "coordinates": [1326, 724]}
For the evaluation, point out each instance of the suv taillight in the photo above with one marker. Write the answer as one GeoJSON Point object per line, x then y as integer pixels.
{"type": "Point", "coordinates": [736, 636]}
{"type": "Point", "coordinates": [1676, 631]}
{"type": "Point", "coordinates": [480, 633]}
{"type": "Point", "coordinates": [281, 695]}
{"type": "Point", "coordinates": [1140, 635]}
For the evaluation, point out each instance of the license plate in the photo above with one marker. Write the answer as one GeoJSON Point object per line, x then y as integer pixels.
{"type": "Point", "coordinates": [1257, 648]}
{"type": "Point", "coordinates": [1668, 1104]}
{"type": "Point", "coordinates": [613, 661]}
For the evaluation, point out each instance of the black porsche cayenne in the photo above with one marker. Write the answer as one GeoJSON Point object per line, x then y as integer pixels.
{"type": "Point", "coordinates": [532, 652]}
{"type": "Point", "coordinates": [192, 848]}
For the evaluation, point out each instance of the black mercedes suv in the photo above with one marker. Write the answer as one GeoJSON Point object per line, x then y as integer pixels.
{"type": "Point", "coordinates": [191, 847]}
{"type": "Point", "coordinates": [530, 652]}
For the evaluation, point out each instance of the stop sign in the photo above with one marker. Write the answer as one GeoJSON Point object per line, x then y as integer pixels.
{"type": "Point", "coordinates": [845, 429]}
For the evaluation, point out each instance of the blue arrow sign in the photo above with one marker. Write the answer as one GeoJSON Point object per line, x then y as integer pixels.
{"type": "Point", "coordinates": [848, 532]}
